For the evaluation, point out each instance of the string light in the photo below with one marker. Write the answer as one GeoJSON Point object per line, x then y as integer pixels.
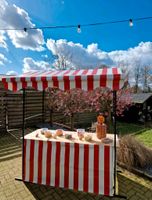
{"type": "Point", "coordinates": [79, 29]}
{"type": "Point", "coordinates": [25, 29]}
{"type": "Point", "coordinates": [78, 26]}
{"type": "Point", "coordinates": [131, 23]}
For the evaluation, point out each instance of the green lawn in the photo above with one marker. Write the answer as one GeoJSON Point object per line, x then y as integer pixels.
{"type": "Point", "coordinates": [128, 128]}
{"type": "Point", "coordinates": [145, 137]}
{"type": "Point", "coordinates": [142, 133]}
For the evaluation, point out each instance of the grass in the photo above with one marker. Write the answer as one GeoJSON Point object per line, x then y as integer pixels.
{"type": "Point", "coordinates": [141, 132]}
{"type": "Point", "coordinates": [128, 128]}
{"type": "Point", "coordinates": [145, 137]}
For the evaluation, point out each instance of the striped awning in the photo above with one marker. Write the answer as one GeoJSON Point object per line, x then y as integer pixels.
{"type": "Point", "coordinates": [87, 79]}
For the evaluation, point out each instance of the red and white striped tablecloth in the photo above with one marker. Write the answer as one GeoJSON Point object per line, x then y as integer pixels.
{"type": "Point", "coordinates": [77, 166]}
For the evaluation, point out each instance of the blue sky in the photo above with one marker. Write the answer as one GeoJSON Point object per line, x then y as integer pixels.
{"type": "Point", "coordinates": [112, 37]}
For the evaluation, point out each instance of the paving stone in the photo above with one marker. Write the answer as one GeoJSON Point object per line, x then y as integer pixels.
{"type": "Point", "coordinates": [148, 194]}
{"type": "Point", "coordinates": [134, 198]}
{"type": "Point", "coordinates": [3, 197]}
{"type": "Point", "coordinates": [131, 193]}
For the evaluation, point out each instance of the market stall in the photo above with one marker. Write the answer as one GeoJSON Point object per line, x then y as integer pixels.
{"type": "Point", "coordinates": [89, 167]}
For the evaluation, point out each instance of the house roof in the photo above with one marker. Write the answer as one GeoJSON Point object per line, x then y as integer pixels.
{"type": "Point", "coordinates": [140, 97]}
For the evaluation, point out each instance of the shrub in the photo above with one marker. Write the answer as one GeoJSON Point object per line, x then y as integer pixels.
{"type": "Point", "coordinates": [133, 154]}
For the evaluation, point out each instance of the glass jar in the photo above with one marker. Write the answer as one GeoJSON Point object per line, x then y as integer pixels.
{"type": "Point", "coordinates": [101, 130]}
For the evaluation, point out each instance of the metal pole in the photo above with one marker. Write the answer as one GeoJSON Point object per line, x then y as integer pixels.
{"type": "Point", "coordinates": [43, 106]}
{"type": "Point", "coordinates": [23, 132]}
{"type": "Point", "coordinates": [6, 112]}
{"type": "Point", "coordinates": [115, 132]}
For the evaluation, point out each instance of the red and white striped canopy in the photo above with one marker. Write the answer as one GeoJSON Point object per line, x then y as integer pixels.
{"type": "Point", "coordinates": [87, 79]}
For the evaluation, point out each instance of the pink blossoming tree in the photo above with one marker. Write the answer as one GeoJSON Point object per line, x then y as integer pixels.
{"type": "Point", "coordinates": [78, 101]}
{"type": "Point", "coordinates": [72, 102]}
{"type": "Point", "coordinates": [101, 100]}
{"type": "Point", "coordinates": [53, 98]}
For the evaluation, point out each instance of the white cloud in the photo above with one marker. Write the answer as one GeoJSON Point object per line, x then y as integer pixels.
{"type": "Point", "coordinates": [29, 65]}
{"type": "Point", "coordinates": [139, 55]}
{"type": "Point", "coordinates": [133, 58]}
{"type": "Point", "coordinates": [91, 57]}
{"type": "Point", "coordinates": [11, 16]}
{"type": "Point", "coordinates": [3, 59]}
{"type": "Point", "coordinates": [12, 73]}
{"type": "Point", "coordinates": [77, 56]}
{"type": "Point", "coordinates": [3, 43]}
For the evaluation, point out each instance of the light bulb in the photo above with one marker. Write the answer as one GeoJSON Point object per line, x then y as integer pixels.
{"type": "Point", "coordinates": [131, 23]}
{"type": "Point", "coordinates": [79, 29]}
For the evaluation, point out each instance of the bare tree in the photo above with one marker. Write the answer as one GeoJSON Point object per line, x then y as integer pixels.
{"type": "Point", "coordinates": [124, 66]}
{"type": "Point", "coordinates": [102, 66]}
{"type": "Point", "coordinates": [62, 62]}
{"type": "Point", "coordinates": [146, 74]}
{"type": "Point", "coordinates": [137, 77]}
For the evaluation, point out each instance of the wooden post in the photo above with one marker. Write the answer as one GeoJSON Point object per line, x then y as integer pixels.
{"type": "Point", "coordinates": [51, 117]}
{"type": "Point", "coordinates": [72, 121]}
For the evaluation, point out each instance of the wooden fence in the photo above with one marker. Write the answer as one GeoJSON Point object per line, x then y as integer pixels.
{"type": "Point", "coordinates": [33, 106]}
{"type": "Point", "coordinates": [36, 111]}
{"type": "Point", "coordinates": [2, 110]}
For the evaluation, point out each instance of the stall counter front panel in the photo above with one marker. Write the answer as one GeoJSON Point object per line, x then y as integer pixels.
{"type": "Point", "coordinates": [81, 166]}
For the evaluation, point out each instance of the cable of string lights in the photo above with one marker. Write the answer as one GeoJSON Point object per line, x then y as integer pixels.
{"type": "Point", "coordinates": [78, 26]}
